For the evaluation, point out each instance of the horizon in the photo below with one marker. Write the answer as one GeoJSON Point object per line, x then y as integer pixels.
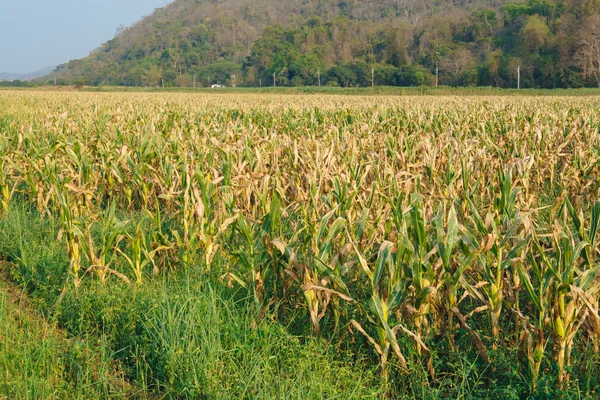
{"type": "Point", "coordinates": [38, 34]}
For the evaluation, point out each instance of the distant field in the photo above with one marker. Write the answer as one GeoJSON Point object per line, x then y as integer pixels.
{"type": "Point", "coordinates": [246, 244]}
{"type": "Point", "coordinates": [324, 90]}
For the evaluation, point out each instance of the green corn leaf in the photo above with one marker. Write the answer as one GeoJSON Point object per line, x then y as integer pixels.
{"type": "Point", "coordinates": [420, 240]}
{"type": "Point", "coordinates": [587, 278]}
{"type": "Point", "coordinates": [577, 253]}
{"type": "Point", "coordinates": [477, 219]}
{"type": "Point", "coordinates": [514, 251]}
{"type": "Point", "coordinates": [379, 309]}
{"type": "Point", "coordinates": [524, 276]}
{"type": "Point", "coordinates": [594, 223]}
{"type": "Point", "coordinates": [331, 274]}
{"type": "Point", "coordinates": [327, 245]}
{"type": "Point", "coordinates": [382, 259]}
{"type": "Point", "coordinates": [243, 226]}
{"type": "Point", "coordinates": [397, 295]}
{"type": "Point", "coordinates": [453, 225]}
{"type": "Point", "coordinates": [275, 212]}
{"type": "Point", "coordinates": [323, 225]}
{"type": "Point", "coordinates": [422, 296]}
{"type": "Point", "coordinates": [574, 216]}
{"type": "Point", "coordinates": [360, 226]}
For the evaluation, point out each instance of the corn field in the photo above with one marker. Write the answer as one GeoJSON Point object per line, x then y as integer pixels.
{"type": "Point", "coordinates": [403, 223]}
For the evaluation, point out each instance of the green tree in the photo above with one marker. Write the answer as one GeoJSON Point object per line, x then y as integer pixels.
{"type": "Point", "coordinates": [535, 33]}
{"type": "Point", "coordinates": [342, 75]}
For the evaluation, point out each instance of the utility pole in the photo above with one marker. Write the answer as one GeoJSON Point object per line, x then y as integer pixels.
{"type": "Point", "coordinates": [194, 81]}
{"type": "Point", "coordinates": [233, 80]}
{"type": "Point", "coordinates": [519, 77]}
{"type": "Point", "coordinates": [437, 75]}
{"type": "Point", "coordinates": [372, 77]}
{"type": "Point", "coordinates": [260, 82]}
{"type": "Point", "coordinates": [274, 80]}
{"type": "Point", "coordinates": [319, 75]}
{"type": "Point", "coordinates": [54, 81]}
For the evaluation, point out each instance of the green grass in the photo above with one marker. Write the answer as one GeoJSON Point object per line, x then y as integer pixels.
{"type": "Point", "coordinates": [38, 361]}
{"type": "Point", "coordinates": [367, 91]}
{"type": "Point", "coordinates": [183, 335]}
{"type": "Point", "coordinates": [181, 338]}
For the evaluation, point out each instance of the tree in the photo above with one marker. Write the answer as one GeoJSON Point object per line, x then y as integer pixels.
{"type": "Point", "coordinates": [218, 72]}
{"type": "Point", "coordinates": [409, 76]}
{"type": "Point", "coordinates": [457, 61]}
{"type": "Point", "coordinates": [483, 24]}
{"type": "Point", "coordinates": [535, 33]}
{"type": "Point", "coordinates": [489, 71]}
{"type": "Point", "coordinates": [397, 54]}
{"type": "Point", "coordinates": [385, 75]}
{"type": "Point", "coordinates": [172, 57]}
{"type": "Point", "coordinates": [152, 77]}
{"type": "Point", "coordinates": [468, 41]}
{"type": "Point", "coordinates": [589, 50]}
{"type": "Point", "coordinates": [183, 81]}
{"type": "Point", "coordinates": [342, 75]}
{"type": "Point", "coordinates": [192, 60]}
{"type": "Point", "coordinates": [267, 47]}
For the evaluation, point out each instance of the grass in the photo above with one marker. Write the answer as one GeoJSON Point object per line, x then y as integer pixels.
{"type": "Point", "coordinates": [178, 337]}
{"type": "Point", "coordinates": [324, 90]}
{"type": "Point", "coordinates": [39, 361]}
{"type": "Point", "coordinates": [182, 339]}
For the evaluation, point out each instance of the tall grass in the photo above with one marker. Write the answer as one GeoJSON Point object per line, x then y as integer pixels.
{"type": "Point", "coordinates": [37, 361]}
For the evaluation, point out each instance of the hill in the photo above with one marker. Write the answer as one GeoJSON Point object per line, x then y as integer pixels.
{"type": "Point", "coordinates": [6, 76]}
{"type": "Point", "coordinates": [351, 43]}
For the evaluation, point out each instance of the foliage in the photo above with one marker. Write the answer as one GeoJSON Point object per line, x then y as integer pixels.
{"type": "Point", "coordinates": [293, 43]}
{"type": "Point", "coordinates": [438, 239]}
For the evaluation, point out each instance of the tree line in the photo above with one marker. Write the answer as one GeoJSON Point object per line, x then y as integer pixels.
{"type": "Point", "coordinates": [554, 44]}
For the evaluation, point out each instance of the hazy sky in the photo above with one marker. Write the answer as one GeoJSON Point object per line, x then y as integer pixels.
{"type": "Point", "coordinates": [35, 34]}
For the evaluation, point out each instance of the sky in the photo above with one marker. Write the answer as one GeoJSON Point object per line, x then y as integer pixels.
{"type": "Point", "coordinates": [35, 34]}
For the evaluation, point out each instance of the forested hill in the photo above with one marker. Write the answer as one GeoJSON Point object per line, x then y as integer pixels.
{"type": "Point", "coordinates": [476, 42]}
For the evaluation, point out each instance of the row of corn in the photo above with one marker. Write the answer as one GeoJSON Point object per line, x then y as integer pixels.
{"type": "Point", "coordinates": [406, 220]}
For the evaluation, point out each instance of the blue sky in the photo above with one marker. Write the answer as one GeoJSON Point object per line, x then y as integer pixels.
{"type": "Point", "coordinates": [35, 34]}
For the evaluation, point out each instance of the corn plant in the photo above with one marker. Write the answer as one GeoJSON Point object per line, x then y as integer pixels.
{"type": "Point", "coordinates": [576, 271]}
{"type": "Point", "coordinates": [260, 257]}
{"type": "Point", "coordinates": [8, 187]}
{"type": "Point", "coordinates": [72, 234]}
{"type": "Point", "coordinates": [110, 233]}
{"type": "Point", "coordinates": [396, 214]}
{"type": "Point", "coordinates": [141, 255]}
{"type": "Point", "coordinates": [417, 260]}
{"type": "Point", "coordinates": [325, 277]}
{"type": "Point", "coordinates": [389, 291]}
{"type": "Point", "coordinates": [501, 237]}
